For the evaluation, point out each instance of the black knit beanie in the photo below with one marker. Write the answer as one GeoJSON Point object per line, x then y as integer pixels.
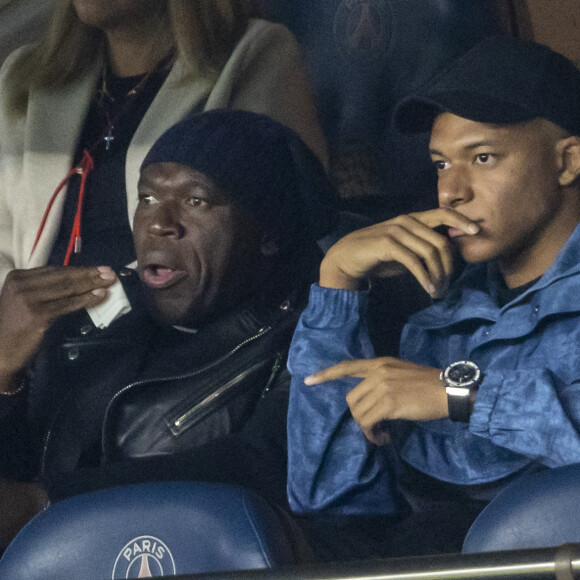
{"type": "Point", "coordinates": [262, 165]}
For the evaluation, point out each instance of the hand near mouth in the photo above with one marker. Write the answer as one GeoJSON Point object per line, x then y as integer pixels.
{"type": "Point", "coordinates": [387, 249]}
{"type": "Point", "coordinates": [455, 232]}
{"type": "Point", "coordinates": [31, 300]}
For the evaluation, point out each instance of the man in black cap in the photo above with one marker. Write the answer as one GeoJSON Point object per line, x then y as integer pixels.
{"type": "Point", "coordinates": [486, 386]}
{"type": "Point", "coordinates": [192, 385]}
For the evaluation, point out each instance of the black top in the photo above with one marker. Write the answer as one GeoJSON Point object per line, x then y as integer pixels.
{"type": "Point", "coordinates": [505, 294]}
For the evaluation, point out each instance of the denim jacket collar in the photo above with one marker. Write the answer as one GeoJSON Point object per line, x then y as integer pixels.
{"type": "Point", "coordinates": [474, 294]}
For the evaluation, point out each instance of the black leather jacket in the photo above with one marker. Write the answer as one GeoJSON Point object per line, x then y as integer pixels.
{"type": "Point", "coordinates": [239, 360]}
{"type": "Point", "coordinates": [147, 391]}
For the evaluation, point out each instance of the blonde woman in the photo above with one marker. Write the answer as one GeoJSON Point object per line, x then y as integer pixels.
{"type": "Point", "coordinates": [79, 111]}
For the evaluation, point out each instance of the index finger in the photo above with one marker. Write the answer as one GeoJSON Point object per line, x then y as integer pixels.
{"type": "Point", "coordinates": [444, 216]}
{"type": "Point", "coordinates": [50, 283]}
{"type": "Point", "coordinates": [348, 368]}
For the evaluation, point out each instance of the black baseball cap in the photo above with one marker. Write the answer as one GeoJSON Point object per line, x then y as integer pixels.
{"type": "Point", "coordinates": [501, 80]}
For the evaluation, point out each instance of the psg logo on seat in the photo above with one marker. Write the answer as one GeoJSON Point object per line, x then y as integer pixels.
{"type": "Point", "coordinates": [144, 557]}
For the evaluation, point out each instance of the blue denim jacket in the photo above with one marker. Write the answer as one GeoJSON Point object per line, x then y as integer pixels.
{"type": "Point", "coordinates": [527, 409]}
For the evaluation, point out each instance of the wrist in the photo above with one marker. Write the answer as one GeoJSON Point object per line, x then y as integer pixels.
{"type": "Point", "coordinates": [12, 383]}
{"type": "Point", "coordinates": [442, 404]}
{"type": "Point", "coordinates": [331, 276]}
{"type": "Point", "coordinates": [461, 380]}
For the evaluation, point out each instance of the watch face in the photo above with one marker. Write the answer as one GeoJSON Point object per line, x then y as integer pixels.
{"type": "Point", "coordinates": [462, 373]}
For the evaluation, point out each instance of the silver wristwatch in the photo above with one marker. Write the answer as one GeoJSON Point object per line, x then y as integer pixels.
{"type": "Point", "coordinates": [461, 380]}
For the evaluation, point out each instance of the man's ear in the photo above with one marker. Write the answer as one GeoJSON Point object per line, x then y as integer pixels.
{"type": "Point", "coordinates": [269, 246]}
{"type": "Point", "coordinates": [569, 156]}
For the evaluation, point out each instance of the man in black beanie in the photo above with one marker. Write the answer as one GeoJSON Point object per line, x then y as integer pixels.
{"type": "Point", "coordinates": [486, 386]}
{"type": "Point", "coordinates": [191, 383]}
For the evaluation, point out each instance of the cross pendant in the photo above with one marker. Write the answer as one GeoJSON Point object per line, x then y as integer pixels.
{"type": "Point", "coordinates": [108, 138]}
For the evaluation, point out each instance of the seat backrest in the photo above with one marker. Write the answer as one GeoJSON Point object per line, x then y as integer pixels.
{"type": "Point", "coordinates": [150, 530]}
{"type": "Point", "coordinates": [365, 55]}
{"type": "Point", "coordinates": [537, 511]}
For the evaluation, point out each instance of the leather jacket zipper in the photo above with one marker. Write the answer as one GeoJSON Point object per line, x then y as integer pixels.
{"type": "Point", "coordinates": [185, 420]}
{"type": "Point", "coordinates": [44, 451]}
{"type": "Point", "coordinates": [263, 331]}
{"type": "Point", "coordinates": [273, 374]}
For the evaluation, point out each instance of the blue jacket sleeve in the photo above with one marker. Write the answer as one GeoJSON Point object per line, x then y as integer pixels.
{"type": "Point", "coordinates": [331, 465]}
{"type": "Point", "coordinates": [530, 412]}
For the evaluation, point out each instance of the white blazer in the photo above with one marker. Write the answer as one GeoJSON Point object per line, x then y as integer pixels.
{"type": "Point", "coordinates": [264, 74]}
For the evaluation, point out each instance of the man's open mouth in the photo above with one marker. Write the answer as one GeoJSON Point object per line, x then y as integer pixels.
{"type": "Point", "coordinates": [158, 276]}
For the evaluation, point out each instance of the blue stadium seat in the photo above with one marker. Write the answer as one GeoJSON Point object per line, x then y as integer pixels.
{"type": "Point", "coordinates": [537, 511]}
{"type": "Point", "coordinates": [149, 530]}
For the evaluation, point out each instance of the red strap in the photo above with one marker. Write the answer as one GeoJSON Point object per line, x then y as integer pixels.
{"type": "Point", "coordinates": [86, 166]}
{"type": "Point", "coordinates": [74, 243]}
